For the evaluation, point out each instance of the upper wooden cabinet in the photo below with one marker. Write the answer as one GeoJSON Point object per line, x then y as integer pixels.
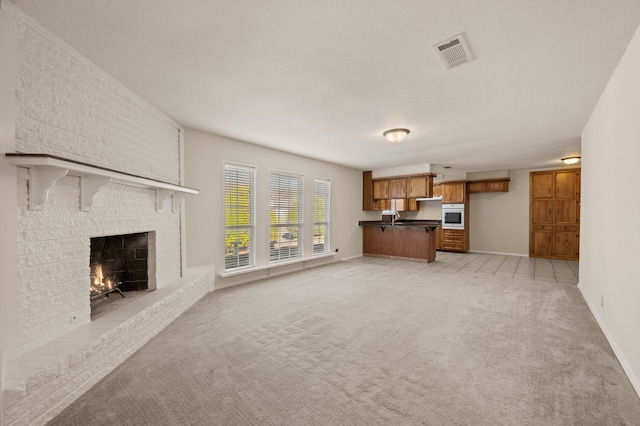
{"type": "Point", "coordinates": [542, 185]}
{"type": "Point", "coordinates": [567, 184]}
{"type": "Point", "coordinates": [454, 192]}
{"type": "Point", "coordinates": [420, 187]}
{"type": "Point", "coordinates": [437, 190]}
{"type": "Point", "coordinates": [381, 190]}
{"type": "Point", "coordinates": [489, 185]}
{"type": "Point", "coordinates": [368, 203]}
{"type": "Point", "coordinates": [398, 188]}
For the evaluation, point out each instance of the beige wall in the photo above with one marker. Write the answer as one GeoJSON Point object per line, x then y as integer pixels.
{"type": "Point", "coordinates": [8, 216]}
{"type": "Point", "coordinates": [610, 230]}
{"type": "Point", "coordinates": [204, 157]}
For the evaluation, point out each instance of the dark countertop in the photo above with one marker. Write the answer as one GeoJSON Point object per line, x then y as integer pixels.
{"type": "Point", "coordinates": [408, 222]}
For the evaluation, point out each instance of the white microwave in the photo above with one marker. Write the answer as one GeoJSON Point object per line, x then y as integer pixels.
{"type": "Point", "coordinates": [453, 216]}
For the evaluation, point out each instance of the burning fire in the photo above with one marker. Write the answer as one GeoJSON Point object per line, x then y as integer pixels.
{"type": "Point", "coordinates": [100, 284]}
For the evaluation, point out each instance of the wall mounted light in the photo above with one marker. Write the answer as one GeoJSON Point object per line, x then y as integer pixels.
{"type": "Point", "coordinates": [396, 135]}
{"type": "Point", "coordinates": [571, 160]}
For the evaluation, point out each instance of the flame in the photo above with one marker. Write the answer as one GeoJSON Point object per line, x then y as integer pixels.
{"type": "Point", "coordinates": [98, 275]}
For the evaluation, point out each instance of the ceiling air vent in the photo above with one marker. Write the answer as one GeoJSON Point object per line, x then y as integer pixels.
{"type": "Point", "coordinates": [453, 51]}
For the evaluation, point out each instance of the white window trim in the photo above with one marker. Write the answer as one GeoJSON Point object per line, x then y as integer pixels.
{"type": "Point", "coordinates": [253, 247]}
{"type": "Point", "coordinates": [327, 242]}
{"type": "Point", "coordinates": [301, 218]}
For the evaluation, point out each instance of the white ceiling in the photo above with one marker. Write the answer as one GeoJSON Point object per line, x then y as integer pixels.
{"type": "Point", "coordinates": [324, 79]}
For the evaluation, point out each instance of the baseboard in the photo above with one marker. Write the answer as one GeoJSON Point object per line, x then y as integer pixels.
{"type": "Point", "coordinates": [351, 257]}
{"type": "Point", "coordinates": [633, 377]}
{"type": "Point", "coordinates": [498, 252]}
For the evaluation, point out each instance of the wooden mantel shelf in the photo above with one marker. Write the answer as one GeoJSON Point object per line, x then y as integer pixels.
{"type": "Point", "coordinates": [45, 170]}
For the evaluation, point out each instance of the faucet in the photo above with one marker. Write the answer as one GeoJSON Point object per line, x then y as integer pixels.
{"type": "Point", "coordinates": [396, 215]}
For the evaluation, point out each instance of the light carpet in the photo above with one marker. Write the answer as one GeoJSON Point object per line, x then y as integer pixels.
{"type": "Point", "coordinates": [372, 342]}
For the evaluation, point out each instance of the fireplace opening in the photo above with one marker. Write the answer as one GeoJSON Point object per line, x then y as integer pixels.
{"type": "Point", "coordinates": [120, 264]}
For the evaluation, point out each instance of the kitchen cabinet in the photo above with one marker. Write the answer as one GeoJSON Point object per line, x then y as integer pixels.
{"type": "Point", "coordinates": [489, 185]}
{"type": "Point", "coordinates": [454, 240]}
{"type": "Point", "coordinates": [381, 190]}
{"type": "Point", "coordinates": [554, 216]}
{"type": "Point", "coordinates": [437, 190]}
{"type": "Point", "coordinates": [398, 188]}
{"type": "Point", "coordinates": [454, 192]}
{"type": "Point", "coordinates": [368, 203]}
{"type": "Point", "coordinates": [377, 194]}
{"type": "Point", "coordinates": [412, 242]}
{"type": "Point", "coordinates": [420, 187]}
{"type": "Point", "coordinates": [407, 204]}
{"type": "Point", "coordinates": [439, 238]}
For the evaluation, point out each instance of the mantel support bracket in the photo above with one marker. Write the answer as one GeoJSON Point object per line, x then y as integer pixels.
{"type": "Point", "coordinates": [161, 196]}
{"type": "Point", "coordinates": [89, 187]}
{"type": "Point", "coordinates": [41, 180]}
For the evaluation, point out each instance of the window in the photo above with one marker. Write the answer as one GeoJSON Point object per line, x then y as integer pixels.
{"type": "Point", "coordinates": [321, 209]}
{"type": "Point", "coordinates": [285, 216]}
{"type": "Point", "coordinates": [239, 216]}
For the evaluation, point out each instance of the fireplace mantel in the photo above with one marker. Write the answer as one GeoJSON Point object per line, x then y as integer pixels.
{"type": "Point", "coordinates": [45, 170]}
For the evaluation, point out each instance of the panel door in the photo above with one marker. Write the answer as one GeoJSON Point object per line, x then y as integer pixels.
{"type": "Point", "coordinates": [398, 188]}
{"type": "Point", "coordinates": [542, 211]}
{"type": "Point", "coordinates": [453, 193]}
{"type": "Point", "coordinates": [565, 244]}
{"type": "Point", "coordinates": [419, 187]}
{"type": "Point", "coordinates": [542, 185]}
{"type": "Point", "coordinates": [567, 184]}
{"type": "Point", "coordinates": [541, 243]}
{"type": "Point", "coordinates": [566, 211]}
{"type": "Point", "coordinates": [381, 190]}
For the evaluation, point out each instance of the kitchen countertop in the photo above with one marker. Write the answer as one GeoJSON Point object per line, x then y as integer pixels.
{"type": "Point", "coordinates": [408, 222]}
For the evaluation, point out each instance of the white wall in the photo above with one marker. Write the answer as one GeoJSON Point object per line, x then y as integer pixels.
{"type": "Point", "coordinates": [204, 158]}
{"type": "Point", "coordinates": [610, 230]}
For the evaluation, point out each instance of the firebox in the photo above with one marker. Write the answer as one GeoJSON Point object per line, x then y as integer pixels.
{"type": "Point", "coordinates": [121, 263]}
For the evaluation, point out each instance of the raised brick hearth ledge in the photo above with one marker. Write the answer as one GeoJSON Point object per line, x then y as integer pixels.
{"type": "Point", "coordinates": [41, 383]}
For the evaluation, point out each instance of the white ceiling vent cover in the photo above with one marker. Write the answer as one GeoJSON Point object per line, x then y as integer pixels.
{"type": "Point", "coordinates": [453, 51]}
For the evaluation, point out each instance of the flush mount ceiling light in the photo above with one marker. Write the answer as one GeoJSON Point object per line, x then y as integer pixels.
{"type": "Point", "coordinates": [396, 135]}
{"type": "Point", "coordinates": [571, 160]}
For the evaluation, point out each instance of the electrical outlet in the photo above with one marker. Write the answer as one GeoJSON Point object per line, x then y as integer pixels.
{"type": "Point", "coordinates": [601, 301]}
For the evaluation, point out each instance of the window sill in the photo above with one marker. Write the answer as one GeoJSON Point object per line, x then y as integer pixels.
{"type": "Point", "coordinates": [271, 266]}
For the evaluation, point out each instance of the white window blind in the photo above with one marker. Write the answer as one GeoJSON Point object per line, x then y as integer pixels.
{"type": "Point", "coordinates": [285, 216]}
{"type": "Point", "coordinates": [239, 216]}
{"type": "Point", "coordinates": [321, 217]}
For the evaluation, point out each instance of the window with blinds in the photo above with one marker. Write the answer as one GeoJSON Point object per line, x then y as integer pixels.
{"type": "Point", "coordinates": [321, 218]}
{"type": "Point", "coordinates": [285, 212]}
{"type": "Point", "coordinates": [239, 216]}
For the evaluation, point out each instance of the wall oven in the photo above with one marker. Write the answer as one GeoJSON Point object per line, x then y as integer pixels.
{"type": "Point", "coordinates": [453, 216]}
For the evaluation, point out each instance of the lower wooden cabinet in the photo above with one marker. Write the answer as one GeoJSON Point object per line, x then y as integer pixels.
{"type": "Point", "coordinates": [439, 238]}
{"type": "Point", "coordinates": [559, 241]}
{"type": "Point", "coordinates": [409, 242]}
{"type": "Point", "coordinates": [454, 240]}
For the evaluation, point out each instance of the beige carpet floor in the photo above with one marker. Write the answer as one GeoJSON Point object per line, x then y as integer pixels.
{"type": "Point", "coordinates": [372, 342]}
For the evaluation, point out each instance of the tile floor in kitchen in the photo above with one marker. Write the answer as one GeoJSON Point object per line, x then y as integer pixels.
{"type": "Point", "coordinates": [500, 265]}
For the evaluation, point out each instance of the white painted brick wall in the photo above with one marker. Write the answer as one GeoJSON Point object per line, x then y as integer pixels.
{"type": "Point", "coordinates": [68, 108]}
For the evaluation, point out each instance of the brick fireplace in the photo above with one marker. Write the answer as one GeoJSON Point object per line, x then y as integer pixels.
{"type": "Point", "coordinates": [122, 262]}
{"type": "Point", "coordinates": [67, 107]}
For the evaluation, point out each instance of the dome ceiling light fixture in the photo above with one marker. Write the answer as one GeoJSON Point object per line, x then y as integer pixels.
{"type": "Point", "coordinates": [396, 135]}
{"type": "Point", "coordinates": [571, 160]}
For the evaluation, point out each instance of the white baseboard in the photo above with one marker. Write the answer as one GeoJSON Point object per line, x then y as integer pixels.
{"type": "Point", "coordinates": [633, 377]}
{"type": "Point", "coordinates": [498, 252]}
{"type": "Point", "coordinates": [351, 257]}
